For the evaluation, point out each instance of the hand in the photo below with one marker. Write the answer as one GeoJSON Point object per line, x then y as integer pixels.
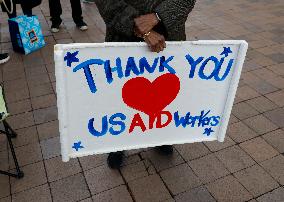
{"type": "Point", "coordinates": [145, 23]}
{"type": "Point", "coordinates": [155, 41]}
{"type": "Point", "coordinates": [137, 33]}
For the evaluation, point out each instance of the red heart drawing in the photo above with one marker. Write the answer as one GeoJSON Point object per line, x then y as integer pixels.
{"type": "Point", "coordinates": [140, 94]}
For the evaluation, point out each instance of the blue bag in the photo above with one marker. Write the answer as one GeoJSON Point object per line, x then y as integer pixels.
{"type": "Point", "coordinates": [26, 34]}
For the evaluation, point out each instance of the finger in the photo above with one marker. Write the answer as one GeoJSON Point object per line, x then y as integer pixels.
{"type": "Point", "coordinates": [150, 45]}
{"type": "Point", "coordinates": [136, 21]}
{"type": "Point", "coordinates": [152, 41]}
{"type": "Point", "coordinates": [163, 45]}
{"type": "Point", "coordinates": [164, 42]}
{"type": "Point", "coordinates": [160, 44]}
{"type": "Point", "coordinates": [157, 47]}
{"type": "Point", "coordinates": [137, 33]}
{"type": "Point", "coordinates": [153, 45]}
{"type": "Point", "coordinates": [161, 48]}
{"type": "Point", "coordinates": [139, 18]}
{"type": "Point", "coordinates": [143, 28]}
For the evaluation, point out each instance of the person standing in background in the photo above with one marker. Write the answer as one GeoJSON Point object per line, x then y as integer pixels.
{"type": "Point", "coordinates": [56, 10]}
{"type": "Point", "coordinates": [152, 21]}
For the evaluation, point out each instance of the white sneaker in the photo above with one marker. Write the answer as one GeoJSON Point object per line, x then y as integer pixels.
{"type": "Point", "coordinates": [4, 57]}
{"type": "Point", "coordinates": [82, 25]}
{"type": "Point", "coordinates": [54, 29]}
{"type": "Point", "coordinates": [83, 28]}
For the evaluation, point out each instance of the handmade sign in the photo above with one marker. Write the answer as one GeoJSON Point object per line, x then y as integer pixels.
{"type": "Point", "coordinates": [121, 96]}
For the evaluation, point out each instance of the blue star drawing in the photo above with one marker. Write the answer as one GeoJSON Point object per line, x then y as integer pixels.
{"type": "Point", "coordinates": [207, 131]}
{"type": "Point", "coordinates": [71, 57]}
{"type": "Point", "coordinates": [226, 51]}
{"type": "Point", "coordinates": [77, 145]}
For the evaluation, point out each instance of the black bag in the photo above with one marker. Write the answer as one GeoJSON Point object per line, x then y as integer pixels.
{"type": "Point", "coordinates": [7, 6]}
{"type": "Point", "coordinates": [26, 4]}
{"type": "Point", "coordinates": [29, 4]}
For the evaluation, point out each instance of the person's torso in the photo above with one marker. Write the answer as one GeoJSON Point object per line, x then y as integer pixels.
{"type": "Point", "coordinates": [144, 6]}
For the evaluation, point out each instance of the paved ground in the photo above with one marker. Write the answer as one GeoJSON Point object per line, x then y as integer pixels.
{"type": "Point", "coordinates": [249, 166]}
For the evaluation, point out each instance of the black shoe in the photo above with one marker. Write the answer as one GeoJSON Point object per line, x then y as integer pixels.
{"type": "Point", "coordinates": [115, 159]}
{"type": "Point", "coordinates": [55, 27]}
{"type": "Point", "coordinates": [165, 149]}
{"type": "Point", "coordinates": [4, 57]}
{"type": "Point", "coordinates": [82, 25]}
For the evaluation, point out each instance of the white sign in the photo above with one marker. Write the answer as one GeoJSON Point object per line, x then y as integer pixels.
{"type": "Point", "coordinates": [121, 96]}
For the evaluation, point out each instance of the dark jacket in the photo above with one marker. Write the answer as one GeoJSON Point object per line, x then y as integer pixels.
{"type": "Point", "coordinates": [119, 17]}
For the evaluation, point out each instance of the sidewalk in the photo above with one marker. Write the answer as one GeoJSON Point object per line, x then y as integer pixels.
{"type": "Point", "coordinates": [248, 166]}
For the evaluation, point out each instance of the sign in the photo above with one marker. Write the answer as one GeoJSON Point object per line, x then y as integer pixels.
{"type": "Point", "coordinates": [121, 96]}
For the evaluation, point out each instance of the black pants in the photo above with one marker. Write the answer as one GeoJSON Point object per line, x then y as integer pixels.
{"type": "Point", "coordinates": [26, 11]}
{"type": "Point", "coordinates": [56, 10]}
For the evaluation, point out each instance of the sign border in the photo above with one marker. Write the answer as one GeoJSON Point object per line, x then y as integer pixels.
{"type": "Point", "coordinates": [61, 85]}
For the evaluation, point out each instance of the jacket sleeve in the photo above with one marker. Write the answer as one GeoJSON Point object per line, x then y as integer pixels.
{"type": "Point", "coordinates": [174, 11]}
{"type": "Point", "coordinates": [118, 15]}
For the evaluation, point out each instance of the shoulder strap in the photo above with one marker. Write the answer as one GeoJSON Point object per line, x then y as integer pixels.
{"type": "Point", "coordinates": [6, 7]}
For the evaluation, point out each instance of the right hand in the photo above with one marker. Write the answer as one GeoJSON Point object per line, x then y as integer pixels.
{"type": "Point", "coordinates": [155, 41]}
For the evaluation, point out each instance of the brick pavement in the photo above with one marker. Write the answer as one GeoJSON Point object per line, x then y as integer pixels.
{"type": "Point", "coordinates": [248, 166]}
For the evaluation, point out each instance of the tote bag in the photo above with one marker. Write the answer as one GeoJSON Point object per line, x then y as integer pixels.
{"type": "Point", "coordinates": [26, 34]}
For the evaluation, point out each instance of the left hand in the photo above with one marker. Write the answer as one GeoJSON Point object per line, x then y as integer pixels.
{"type": "Point", "coordinates": [155, 41]}
{"type": "Point", "coordinates": [145, 23]}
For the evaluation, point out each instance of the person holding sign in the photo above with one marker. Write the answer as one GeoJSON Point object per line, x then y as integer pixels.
{"type": "Point", "coordinates": [152, 21]}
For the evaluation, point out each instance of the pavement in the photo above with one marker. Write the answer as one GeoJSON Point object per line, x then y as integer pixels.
{"type": "Point", "coordinates": [248, 166]}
